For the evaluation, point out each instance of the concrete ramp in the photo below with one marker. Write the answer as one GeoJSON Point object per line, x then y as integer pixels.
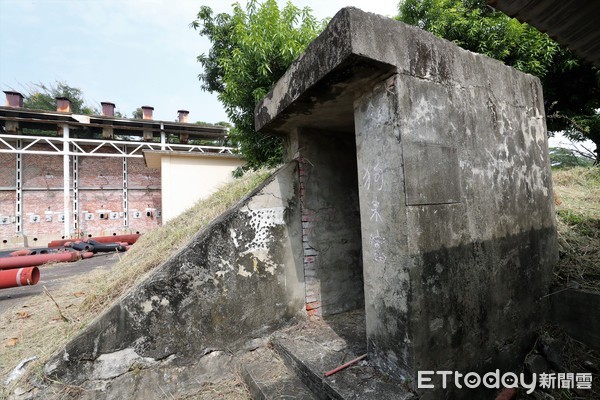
{"type": "Point", "coordinates": [239, 278]}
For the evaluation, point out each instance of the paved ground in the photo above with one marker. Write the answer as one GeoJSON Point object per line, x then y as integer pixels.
{"type": "Point", "coordinates": [53, 276]}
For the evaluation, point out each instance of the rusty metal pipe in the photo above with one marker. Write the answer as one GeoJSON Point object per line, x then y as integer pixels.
{"type": "Point", "coordinates": [131, 239]}
{"type": "Point", "coordinates": [59, 243]}
{"type": "Point", "coordinates": [38, 259]}
{"type": "Point", "coordinates": [19, 277]}
{"type": "Point", "coordinates": [344, 366]}
{"type": "Point", "coordinates": [44, 250]}
{"type": "Point", "coordinates": [31, 252]}
{"type": "Point", "coordinates": [20, 252]}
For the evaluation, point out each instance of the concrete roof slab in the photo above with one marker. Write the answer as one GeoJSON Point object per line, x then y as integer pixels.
{"type": "Point", "coordinates": [319, 88]}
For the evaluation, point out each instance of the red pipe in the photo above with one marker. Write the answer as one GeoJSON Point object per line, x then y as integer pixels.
{"type": "Point", "coordinates": [19, 277]}
{"type": "Point", "coordinates": [59, 243]}
{"type": "Point", "coordinates": [131, 239]}
{"type": "Point", "coordinates": [344, 366]}
{"type": "Point", "coordinates": [22, 252]}
{"type": "Point", "coordinates": [38, 259]}
{"type": "Point", "coordinates": [87, 254]}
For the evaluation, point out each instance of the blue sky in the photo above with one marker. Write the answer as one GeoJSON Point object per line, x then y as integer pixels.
{"type": "Point", "coordinates": [129, 52]}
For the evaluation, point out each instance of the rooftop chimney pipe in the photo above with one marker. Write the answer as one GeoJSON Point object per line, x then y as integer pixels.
{"type": "Point", "coordinates": [183, 115]}
{"type": "Point", "coordinates": [14, 99]}
{"type": "Point", "coordinates": [147, 112]}
{"type": "Point", "coordinates": [63, 104]}
{"type": "Point", "coordinates": [108, 109]}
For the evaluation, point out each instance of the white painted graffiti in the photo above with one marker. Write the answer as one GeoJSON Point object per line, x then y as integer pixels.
{"type": "Point", "coordinates": [377, 242]}
{"type": "Point", "coordinates": [373, 175]}
{"type": "Point", "coordinates": [375, 215]}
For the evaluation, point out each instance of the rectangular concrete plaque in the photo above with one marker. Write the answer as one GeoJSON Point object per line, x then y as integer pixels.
{"type": "Point", "coordinates": [431, 174]}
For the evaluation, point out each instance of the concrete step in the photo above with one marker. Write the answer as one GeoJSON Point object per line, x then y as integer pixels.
{"type": "Point", "coordinates": [316, 348]}
{"type": "Point", "coordinates": [267, 377]}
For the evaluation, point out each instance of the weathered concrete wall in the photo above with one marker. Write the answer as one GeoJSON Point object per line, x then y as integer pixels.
{"type": "Point", "coordinates": [331, 222]}
{"type": "Point", "coordinates": [468, 181]}
{"type": "Point", "coordinates": [454, 188]}
{"type": "Point", "coordinates": [238, 277]}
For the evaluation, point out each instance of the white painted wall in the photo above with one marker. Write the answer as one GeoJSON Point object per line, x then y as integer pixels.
{"type": "Point", "coordinates": [187, 179]}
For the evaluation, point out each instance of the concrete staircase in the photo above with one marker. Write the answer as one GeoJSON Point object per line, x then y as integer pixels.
{"type": "Point", "coordinates": [294, 363]}
{"type": "Point", "coordinates": [267, 377]}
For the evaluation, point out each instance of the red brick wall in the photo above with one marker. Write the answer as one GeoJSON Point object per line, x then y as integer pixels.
{"type": "Point", "coordinates": [7, 170]}
{"type": "Point", "coordinates": [41, 171]}
{"type": "Point", "coordinates": [313, 287]}
{"type": "Point", "coordinates": [142, 177]}
{"type": "Point", "coordinates": [100, 188]}
{"type": "Point", "coordinates": [100, 172]}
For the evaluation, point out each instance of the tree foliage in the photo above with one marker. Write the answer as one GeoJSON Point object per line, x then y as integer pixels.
{"type": "Point", "coordinates": [43, 97]}
{"type": "Point", "coordinates": [251, 49]}
{"type": "Point", "coordinates": [571, 86]}
{"type": "Point", "coordinates": [138, 113]}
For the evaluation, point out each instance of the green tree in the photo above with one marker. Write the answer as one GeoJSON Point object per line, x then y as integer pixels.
{"type": "Point", "coordinates": [571, 86]}
{"type": "Point", "coordinates": [138, 113]}
{"type": "Point", "coordinates": [43, 97]}
{"type": "Point", "coordinates": [566, 158]}
{"type": "Point", "coordinates": [251, 49]}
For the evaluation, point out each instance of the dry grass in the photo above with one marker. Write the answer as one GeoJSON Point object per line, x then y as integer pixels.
{"type": "Point", "coordinates": [157, 246]}
{"type": "Point", "coordinates": [233, 389]}
{"type": "Point", "coordinates": [577, 200]}
{"type": "Point", "coordinates": [575, 358]}
{"type": "Point", "coordinates": [35, 328]}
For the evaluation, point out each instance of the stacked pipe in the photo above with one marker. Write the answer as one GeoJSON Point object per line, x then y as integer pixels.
{"type": "Point", "coordinates": [130, 239]}
{"type": "Point", "coordinates": [22, 270]}
{"type": "Point", "coordinates": [19, 267]}
{"type": "Point", "coordinates": [98, 247]}
{"type": "Point", "coordinates": [31, 252]}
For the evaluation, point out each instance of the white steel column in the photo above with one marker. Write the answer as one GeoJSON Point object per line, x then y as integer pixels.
{"type": "Point", "coordinates": [19, 191]}
{"type": "Point", "coordinates": [125, 194]}
{"type": "Point", "coordinates": [76, 194]}
{"type": "Point", "coordinates": [66, 182]}
{"type": "Point", "coordinates": [163, 136]}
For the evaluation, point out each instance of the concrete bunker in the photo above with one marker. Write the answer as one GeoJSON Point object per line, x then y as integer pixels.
{"type": "Point", "coordinates": [454, 193]}
{"type": "Point", "coordinates": [418, 189]}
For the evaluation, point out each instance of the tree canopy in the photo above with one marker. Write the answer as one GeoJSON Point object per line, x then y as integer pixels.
{"type": "Point", "coordinates": [571, 86]}
{"type": "Point", "coordinates": [43, 97]}
{"type": "Point", "coordinates": [251, 49]}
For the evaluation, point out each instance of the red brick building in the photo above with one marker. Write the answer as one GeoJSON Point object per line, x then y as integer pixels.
{"type": "Point", "coordinates": [68, 175]}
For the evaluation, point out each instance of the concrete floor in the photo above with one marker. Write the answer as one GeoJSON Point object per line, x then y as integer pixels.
{"type": "Point", "coordinates": [53, 276]}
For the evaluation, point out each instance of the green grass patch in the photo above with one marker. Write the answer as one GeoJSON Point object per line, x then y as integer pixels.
{"type": "Point", "coordinates": [577, 202]}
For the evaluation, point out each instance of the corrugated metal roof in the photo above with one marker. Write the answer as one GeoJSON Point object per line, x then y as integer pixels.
{"type": "Point", "coordinates": [572, 23]}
